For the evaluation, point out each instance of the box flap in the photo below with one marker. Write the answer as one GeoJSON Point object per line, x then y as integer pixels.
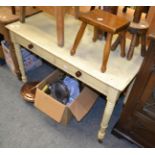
{"type": "Point", "coordinates": [54, 76]}
{"type": "Point", "coordinates": [81, 106]}
{"type": "Point", "coordinates": [49, 105]}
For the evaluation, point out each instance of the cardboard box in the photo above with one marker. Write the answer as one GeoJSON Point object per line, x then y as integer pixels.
{"type": "Point", "coordinates": [7, 56]}
{"type": "Point", "coordinates": [30, 60]}
{"type": "Point", "coordinates": [59, 112]}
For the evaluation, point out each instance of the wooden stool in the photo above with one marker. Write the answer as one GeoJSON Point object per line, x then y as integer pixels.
{"type": "Point", "coordinates": [9, 15]}
{"type": "Point", "coordinates": [98, 34]}
{"type": "Point", "coordinates": [107, 22]}
{"type": "Point", "coordinates": [138, 30]}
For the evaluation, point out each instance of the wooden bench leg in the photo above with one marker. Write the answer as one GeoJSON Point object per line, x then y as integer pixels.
{"type": "Point", "coordinates": [143, 45]}
{"type": "Point", "coordinates": [78, 38]}
{"type": "Point", "coordinates": [122, 43]}
{"type": "Point", "coordinates": [106, 52]}
{"type": "Point", "coordinates": [132, 46]}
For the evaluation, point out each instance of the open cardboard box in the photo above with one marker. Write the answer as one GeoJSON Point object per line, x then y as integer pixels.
{"type": "Point", "coordinates": [58, 111]}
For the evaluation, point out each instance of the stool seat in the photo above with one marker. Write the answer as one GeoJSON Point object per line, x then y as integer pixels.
{"type": "Point", "coordinates": [7, 17]}
{"type": "Point", "coordinates": [138, 31]}
{"type": "Point", "coordinates": [104, 20]}
{"type": "Point", "coordinates": [139, 26]}
{"type": "Point", "coordinates": [108, 23]}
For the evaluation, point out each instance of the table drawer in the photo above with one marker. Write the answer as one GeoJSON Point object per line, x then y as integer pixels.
{"type": "Point", "coordinates": [80, 75]}
{"type": "Point", "coordinates": [35, 49]}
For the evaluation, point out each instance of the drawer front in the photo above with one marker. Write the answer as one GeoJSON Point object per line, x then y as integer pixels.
{"type": "Point", "coordinates": [35, 49]}
{"type": "Point", "coordinates": [80, 75]}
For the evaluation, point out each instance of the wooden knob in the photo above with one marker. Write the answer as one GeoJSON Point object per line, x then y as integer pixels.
{"type": "Point", "coordinates": [78, 74]}
{"type": "Point", "coordinates": [30, 46]}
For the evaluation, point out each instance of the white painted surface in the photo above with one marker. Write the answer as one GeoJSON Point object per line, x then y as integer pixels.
{"type": "Point", "coordinates": [40, 30]}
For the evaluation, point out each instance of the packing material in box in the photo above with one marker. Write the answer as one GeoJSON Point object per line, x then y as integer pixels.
{"type": "Point", "coordinates": [58, 111]}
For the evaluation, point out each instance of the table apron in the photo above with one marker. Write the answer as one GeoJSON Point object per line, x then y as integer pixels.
{"type": "Point", "coordinates": [65, 66]}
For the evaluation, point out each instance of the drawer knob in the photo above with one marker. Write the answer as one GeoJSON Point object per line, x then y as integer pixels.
{"type": "Point", "coordinates": [30, 46]}
{"type": "Point", "coordinates": [78, 74]}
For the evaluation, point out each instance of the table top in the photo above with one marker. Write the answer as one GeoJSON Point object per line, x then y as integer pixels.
{"type": "Point", "coordinates": [105, 20]}
{"type": "Point", "coordinates": [40, 29]}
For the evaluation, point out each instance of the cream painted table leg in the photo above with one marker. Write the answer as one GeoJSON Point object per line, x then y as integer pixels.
{"type": "Point", "coordinates": [110, 104]}
{"type": "Point", "coordinates": [20, 61]}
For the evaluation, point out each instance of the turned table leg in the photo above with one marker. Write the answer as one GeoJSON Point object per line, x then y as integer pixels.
{"type": "Point", "coordinates": [20, 62]}
{"type": "Point", "coordinates": [78, 38]}
{"type": "Point", "coordinates": [110, 104]}
{"type": "Point", "coordinates": [12, 52]}
{"type": "Point", "coordinates": [106, 52]}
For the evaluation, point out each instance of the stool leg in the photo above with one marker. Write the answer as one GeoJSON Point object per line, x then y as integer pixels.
{"type": "Point", "coordinates": [22, 14]}
{"type": "Point", "coordinates": [132, 46]}
{"type": "Point", "coordinates": [13, 10]}
{"type": "Point", "coordinates": [122, 43]}
{"type": "Point", "coordinates": [106, 52]}
{"type": "Point", "coordinates": [60, 25]}
{"type": "Point", "coordinates": [95, 34]}
{"type": "Point", "coordinates": [78, 38]}
{"type": "Point", "coordinates": [143, 45]}
{"type": "Point", "coordinates": [116, 43]}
